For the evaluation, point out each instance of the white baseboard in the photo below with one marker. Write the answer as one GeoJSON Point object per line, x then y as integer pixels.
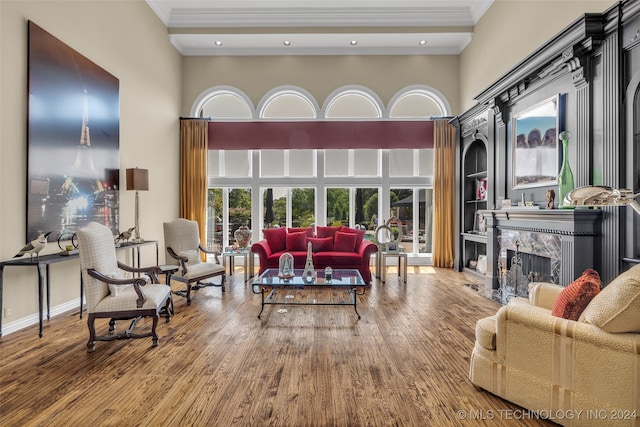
{"type": "Point", "coordinates": [25, 322]}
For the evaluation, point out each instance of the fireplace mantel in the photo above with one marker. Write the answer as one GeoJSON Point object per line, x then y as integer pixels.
{"type": "Point", "coordinates": [577, 231]}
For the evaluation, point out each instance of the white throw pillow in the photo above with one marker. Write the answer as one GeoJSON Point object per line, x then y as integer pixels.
{"type": "Point", "coordinates": [193, 256]}
{"type": "Point", "coordinates": [117, 289]}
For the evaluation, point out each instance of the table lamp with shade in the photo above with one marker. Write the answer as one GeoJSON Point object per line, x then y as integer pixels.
{"type": "Point", "coordinates": [138, 180]}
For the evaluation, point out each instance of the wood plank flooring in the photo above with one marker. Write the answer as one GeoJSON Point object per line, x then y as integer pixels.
{"type": "Point", "coordinates": [405, 363]}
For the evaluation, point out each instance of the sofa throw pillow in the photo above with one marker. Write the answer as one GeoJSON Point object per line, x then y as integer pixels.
{"type": "Point", "coordinates": [344, 242]}
{"type": "Point", "coordinates": [296, 242]}
{"type": "Point", "coordinates": [308, 230]}
{"type": "Point", "coordinates": [359, 233]}
{"type": "Point", "coordinates": [326, 231]}
{"type": "Point", "coordinates": [574, 298]}
{"type": "Point", "coordinates": [116, 290]}
{"type": "Point", "coordinates": [276, 238]}
{"type": "Point", "coordinates": [321, 244]}
{"type": "Point", "coordinates": [192, 255]}
{"type": "Point", "coordinates": [616, 308]}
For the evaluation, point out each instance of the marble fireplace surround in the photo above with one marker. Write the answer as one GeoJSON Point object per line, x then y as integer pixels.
{"type": "Point", "coordinates": [569, 238]}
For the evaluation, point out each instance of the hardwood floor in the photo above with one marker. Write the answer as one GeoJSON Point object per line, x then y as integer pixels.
{"type": "Point", "coordinates": [404, 363]}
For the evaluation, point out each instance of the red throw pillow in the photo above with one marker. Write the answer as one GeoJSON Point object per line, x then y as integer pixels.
{"type": "Point", "coordinates": [276, 238]}
{"type": "Point", "coordinates": [574, 298]}
{"type": "Point", "coordinates": [359, 233]}
{"type": "Point", "coordinates": [326, 231]}
{"type": "Point", "coordinates": [344, 242]}
{"type": "Point", "coordinates": [321, 244]}
{"type": "Point", "coordinates": [308, 230]}
{"type": "Point", "coordinates": [296, 242]}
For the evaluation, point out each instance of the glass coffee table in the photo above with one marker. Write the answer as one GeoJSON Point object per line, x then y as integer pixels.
{"type": "Point", "coordinates": [342, 289]}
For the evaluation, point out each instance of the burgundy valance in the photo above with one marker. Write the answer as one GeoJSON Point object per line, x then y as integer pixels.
{"type": "Point", "coordinates": [271, 135]}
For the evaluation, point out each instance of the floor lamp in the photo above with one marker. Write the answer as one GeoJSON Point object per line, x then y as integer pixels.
{"type": "Point", "coordinates": [137, 179]}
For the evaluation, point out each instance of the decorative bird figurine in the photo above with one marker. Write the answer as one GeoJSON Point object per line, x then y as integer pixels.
{"type": "Point", "coordinates": [34, 246]}
{"type": "Point", "coordinates": [125, 235]}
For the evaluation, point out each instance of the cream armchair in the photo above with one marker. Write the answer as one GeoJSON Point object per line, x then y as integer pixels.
{"type": "Point", "coordinates": [111, 294]}
{"type": "Point", "coordinates": [563, 369]}
{"type": "Point", "coordinates": [182, 243]}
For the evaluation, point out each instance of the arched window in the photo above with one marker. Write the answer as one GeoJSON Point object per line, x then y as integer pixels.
{"type": "Point", "coordinates": [352, 102]}
{"type": "Point", "coordinates": [418, 102]}
{"type": "Point", "coordinates": [287, 102]}
{"type": "Point", "coordinates": [223, 102]}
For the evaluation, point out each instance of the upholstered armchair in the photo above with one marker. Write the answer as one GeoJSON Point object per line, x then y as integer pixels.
{"type": "Point", "coordinates": [112, 291]}
{"type": "Point", "coordinates": [182, 244]}
{"type": "Point", "coordinates": [574, 372]}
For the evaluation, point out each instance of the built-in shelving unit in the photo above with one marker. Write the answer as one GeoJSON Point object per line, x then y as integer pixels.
{"type": "Point", "coordinates": [475, 196]}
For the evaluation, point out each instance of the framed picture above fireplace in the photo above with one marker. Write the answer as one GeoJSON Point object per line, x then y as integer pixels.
{"type": "Point", "coordinates": [535, 146]}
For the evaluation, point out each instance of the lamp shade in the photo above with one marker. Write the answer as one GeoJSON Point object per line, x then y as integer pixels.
{"type": "Point", "coordinates": [138, 179]}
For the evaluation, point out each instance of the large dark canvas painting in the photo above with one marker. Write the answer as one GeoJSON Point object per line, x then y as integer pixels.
{"type": "Point", "coordinates": [73, 140]}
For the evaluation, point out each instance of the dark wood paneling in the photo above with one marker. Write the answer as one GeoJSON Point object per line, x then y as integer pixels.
{"type": "Point", "coordinates": [594, 62]}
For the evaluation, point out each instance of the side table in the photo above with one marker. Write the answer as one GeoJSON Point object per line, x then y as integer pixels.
{"type": "Point", "coordinates": [228, 258]}
{"type": "Point", "coordinates": [381, 264]}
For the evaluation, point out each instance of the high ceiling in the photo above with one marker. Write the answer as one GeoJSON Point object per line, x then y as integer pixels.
{"type": "Point", "coordinates": [320, 27]}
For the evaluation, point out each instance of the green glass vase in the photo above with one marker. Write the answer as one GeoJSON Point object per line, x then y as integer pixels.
{"type": "Point", "coordinates": [565, 177]}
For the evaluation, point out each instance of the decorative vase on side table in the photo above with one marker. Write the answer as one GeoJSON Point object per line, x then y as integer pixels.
{"type": "Point", "coordinates": [565, 177]}
{"type": "Point", "coordinates": [243, 236]}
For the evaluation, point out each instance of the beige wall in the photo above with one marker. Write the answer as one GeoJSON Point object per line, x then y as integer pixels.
{"type": "Point", "coordinates": [320, 75]}
{"type": "Point", "coordinates": [508, 32]}
{"type": "Point", "coordinates": [128, 40]}
{"type": "Point", "coordinates": [157, 86]}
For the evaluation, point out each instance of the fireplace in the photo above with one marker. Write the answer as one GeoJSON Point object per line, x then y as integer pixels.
{"type": "Point", "coordinates": [525, 257]}
{"type": "Point", "coordinates": [535, 245]}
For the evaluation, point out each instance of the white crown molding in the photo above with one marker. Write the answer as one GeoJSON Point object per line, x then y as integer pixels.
{"type": "Point", "coordinates": [316, 17]}
{"type": "Point", "coordinates": [320, 44]}
{"type": "Point", "coordinates": [315, 25]}
{"type": "Point", "coordinates": [301, 13]}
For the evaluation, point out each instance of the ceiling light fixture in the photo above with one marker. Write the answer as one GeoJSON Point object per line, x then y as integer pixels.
{"type": "Point", "coordinates": [218, 43]}
{"type": "Point", "coordinates": [423, 42]}
{"type": "Point", "coordinates": [354, 42]}
{"type": "Point", "coordinates": [287, 43]}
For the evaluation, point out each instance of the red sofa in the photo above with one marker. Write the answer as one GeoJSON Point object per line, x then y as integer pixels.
{"type": "Point", "coordinates": [335, 247]}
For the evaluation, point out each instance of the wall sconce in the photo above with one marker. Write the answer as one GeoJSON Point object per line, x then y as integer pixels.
{"type": "Point", "coordinates": [602, 196]}
{"type": "Point", "coordinates": [138, 180]}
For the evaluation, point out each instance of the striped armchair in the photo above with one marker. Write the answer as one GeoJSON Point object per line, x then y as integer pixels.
{"type": "Point", "coordinates": [113, 292]}
{"type": "Point", "coordinates": [574, 372]}
{"type": "Point", "coordinates": [182, 243]}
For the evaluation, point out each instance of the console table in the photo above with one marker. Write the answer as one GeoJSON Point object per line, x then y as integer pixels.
{"type": "Point", "coordinates": [42, 263]}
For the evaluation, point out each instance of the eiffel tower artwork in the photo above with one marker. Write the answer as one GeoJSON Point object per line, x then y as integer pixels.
{"type": "Point", "coordinates": [74, 130]}
{"type": "Point", "coordinates": [83, 178]}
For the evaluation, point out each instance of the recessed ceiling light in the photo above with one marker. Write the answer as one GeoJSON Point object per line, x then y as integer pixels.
{"type": "Point", "coordinates": [218, 43]}
{"type": "Point", "coordinates": [423, 42]}
{"type": "Point", "coordinates": [287, 43]}
{"type": "Point", "coordinates": [354, 42]}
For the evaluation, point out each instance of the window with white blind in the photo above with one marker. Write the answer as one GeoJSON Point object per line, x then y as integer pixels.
{"type": "Point", "coordinates": [323, 186]}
